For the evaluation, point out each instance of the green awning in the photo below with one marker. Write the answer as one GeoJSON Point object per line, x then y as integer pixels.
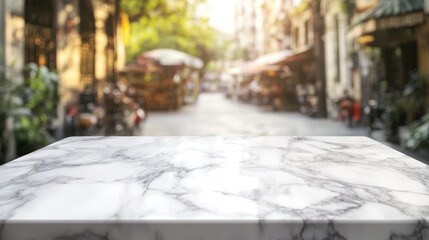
{"type": "Point", "coordinates": [390, 8]}
{"type": "Point", "coordinates": [388, 14]}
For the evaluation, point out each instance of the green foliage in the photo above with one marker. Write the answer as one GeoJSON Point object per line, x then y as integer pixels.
{"type": "Point", "coordinates": [138, 9]}
{"type": "Point", "coordinates": [33, 105]}
{"type": "Point", "coordinates": [170, 24]}
{"type": "Point", "coordinates": [416, 135]}
{"type": "Point", "coordinates": [405, 107]}
{"type": "Point", "coordinates": [10, 102]}
{"type": "Point", "coordinates": [348, 6]}
{"type": "Point", "coordinates": [40, 95]}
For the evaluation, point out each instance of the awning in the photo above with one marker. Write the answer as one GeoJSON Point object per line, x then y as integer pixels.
{"type": "Point", "coordinates": [137, 67]}
{"type": "Point", "coordinates": [171, 57]}
{"type": "Point", "coordinates": [300, 56]}
{"type": "Point", "coordinates": [142, 65]}
{"type": "Point", "coordinates": [273, 58]}
{"type": "Point", "coordinates": [266, 63]}
{"type": "Point", "coordinates": [388, 14]}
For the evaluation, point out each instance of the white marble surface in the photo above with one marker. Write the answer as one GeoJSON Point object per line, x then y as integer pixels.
{"type": "Point", "coordinates": [245, 184]}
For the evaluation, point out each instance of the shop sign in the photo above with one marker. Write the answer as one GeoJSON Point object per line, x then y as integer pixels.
{"type": "Point", "coordinates": [408, 20]}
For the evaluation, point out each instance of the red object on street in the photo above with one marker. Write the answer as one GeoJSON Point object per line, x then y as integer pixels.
{"type": "Point", "coordinates": [356, 112]}
{"type": "Point", "coordinates": [346, 108]}
{"type": "Point", "coordinates": [72, 111]}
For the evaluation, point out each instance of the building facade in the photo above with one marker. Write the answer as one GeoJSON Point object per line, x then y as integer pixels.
{"type": "Point", "coordinates": [275, 30]}
{"type": "Point", "coordinates": [339, 75]}
{"type": "Point", "coordinates": [249, 29]}
{"type": "Point", "coordinates": [80, 39]}
{"type": "Point", "coordinates": [391, 41]}
{"type": "Point", "coordinates": [305, 29]}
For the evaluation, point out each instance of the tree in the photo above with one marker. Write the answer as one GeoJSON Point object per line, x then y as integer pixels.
{"type": "Point", "coordinates": [169, 24]}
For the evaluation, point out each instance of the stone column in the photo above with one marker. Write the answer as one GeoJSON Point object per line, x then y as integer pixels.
{"type": "Point", "coordinates": [68, 57]}
{"type": "Point", "coordinates": [101, 12]}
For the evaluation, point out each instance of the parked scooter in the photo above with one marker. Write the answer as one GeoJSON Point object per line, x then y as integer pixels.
{"type": "Point", "coordinates": [90, 115]}
{"type": "Point", "coordinates": [125, 116]}
{"type": "Point", "coordinates": [84, 117]}
{"type": "Point", "coordinates": [308, 101]}
{"type": "Point", "coordinates": [374, 116]}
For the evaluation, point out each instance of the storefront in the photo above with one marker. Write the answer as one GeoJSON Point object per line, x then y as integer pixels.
{"type": "Point", "coordinates": [303, 69]}
{"type": "Point", "coordinates": [392, 49]}
{"type": "Point", "coordinates": [79, 39]}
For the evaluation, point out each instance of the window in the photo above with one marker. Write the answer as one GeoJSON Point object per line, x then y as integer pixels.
{"type": "Point", "coordinates": [87, 49]}
{"type": "Point", "coordinates": [296, 37]}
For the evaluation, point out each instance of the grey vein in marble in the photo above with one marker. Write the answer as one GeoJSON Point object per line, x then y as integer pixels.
{"type": "Point", "coordinates": [224, 179]}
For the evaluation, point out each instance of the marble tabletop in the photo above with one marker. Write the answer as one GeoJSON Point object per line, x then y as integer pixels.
{"type": "Point", "coordinates": [207, 188]}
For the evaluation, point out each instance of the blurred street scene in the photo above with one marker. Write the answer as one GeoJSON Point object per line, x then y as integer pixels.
{"type": "Point", "coordinates": [213, 67]}
{"type": "Point", "coordinates": [215, 115]}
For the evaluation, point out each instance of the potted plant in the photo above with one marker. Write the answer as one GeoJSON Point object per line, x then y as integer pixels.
{"type": "Point", "coordinates": [37, 108]}
{"type": "Point", "coordinates": [416, 135]}
{"type": "Point", "coordinates": [411, 107]}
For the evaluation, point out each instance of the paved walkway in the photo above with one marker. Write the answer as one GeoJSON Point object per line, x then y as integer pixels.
{"type": "Point", "coordinates": [213, 114]}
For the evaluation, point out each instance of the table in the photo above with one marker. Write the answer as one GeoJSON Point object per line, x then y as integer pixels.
{"type": "Point", "coordinates": [214, 188]}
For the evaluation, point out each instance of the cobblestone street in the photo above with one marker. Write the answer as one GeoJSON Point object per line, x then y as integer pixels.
{"type": "Point", "coordinates": [213, 114]}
